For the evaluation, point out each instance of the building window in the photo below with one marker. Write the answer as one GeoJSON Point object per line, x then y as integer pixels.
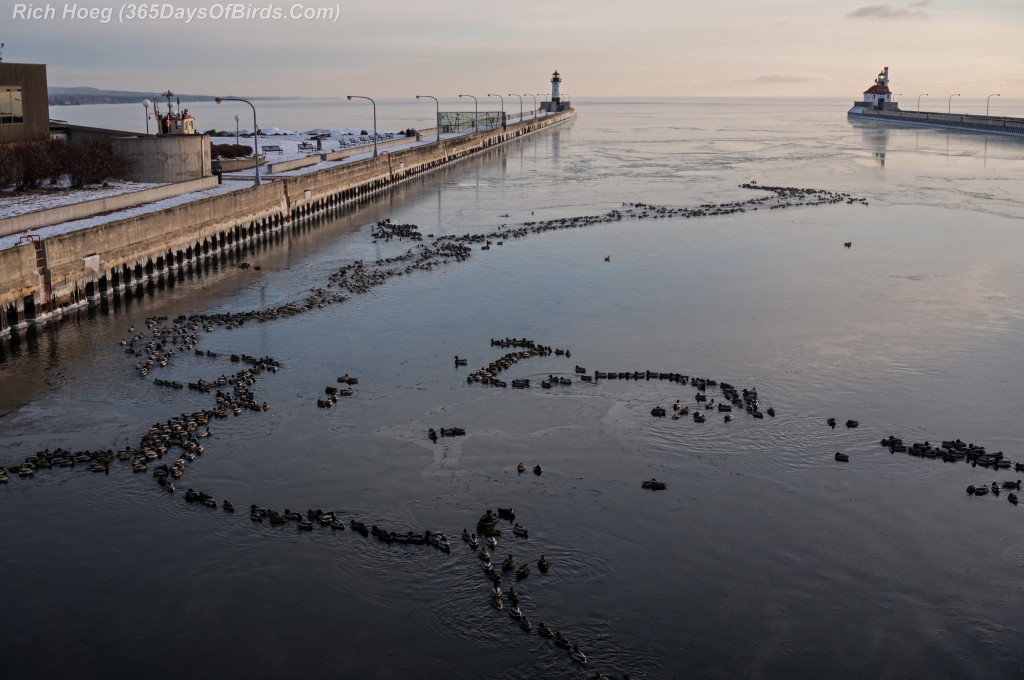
{"type": "Point", "coordinates": [10, 105]}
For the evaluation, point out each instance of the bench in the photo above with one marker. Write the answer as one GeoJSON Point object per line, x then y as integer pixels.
{"type": "Point", "coordinates": [305, 146]}
{"type": "Point", "coordinates": [267, 148]}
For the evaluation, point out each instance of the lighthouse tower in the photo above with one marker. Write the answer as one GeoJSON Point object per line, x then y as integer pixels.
{"type": "Point", "coordinates": [878, 95]}
{"type": "Point", "coordinates": [556, 98]}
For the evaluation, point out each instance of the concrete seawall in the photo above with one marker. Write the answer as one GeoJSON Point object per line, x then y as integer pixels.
{"type": "Point", "coordinates": [991, 124]}
{"type": "Point", "coordinates": [76, 211]}
{"type": "Point", "coordinates": [41, 279]}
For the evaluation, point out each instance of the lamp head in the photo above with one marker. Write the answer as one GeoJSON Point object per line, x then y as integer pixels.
{"type": "Point", "coordinates": [236, 118]}
{"type": "Point", "coordinates": [147, 103]}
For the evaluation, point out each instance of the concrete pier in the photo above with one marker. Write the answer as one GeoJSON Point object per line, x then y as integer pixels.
{"type": "Point", "coordinates": [999, 125]}
{"type": "Point", "coordinates": [41, 279]}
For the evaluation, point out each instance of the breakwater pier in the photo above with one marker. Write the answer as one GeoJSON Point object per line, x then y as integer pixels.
{"type": "Point", "coordinates": [998, 125]}
{"type": "Point", "coordinates": [40, 278]}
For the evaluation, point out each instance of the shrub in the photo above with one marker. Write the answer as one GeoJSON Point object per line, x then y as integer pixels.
{"type": "Point", "coordinates": [230, 150]}
{"type": "Point", "coordinates": [35, 161]}
{"type": "Point", "coordinates": [8, 173]}
{"type": "Point", "coordinates": [94, 161]}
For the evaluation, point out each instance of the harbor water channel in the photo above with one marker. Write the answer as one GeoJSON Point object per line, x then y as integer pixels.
{"type": "Point", "coordinates": [763, 556]}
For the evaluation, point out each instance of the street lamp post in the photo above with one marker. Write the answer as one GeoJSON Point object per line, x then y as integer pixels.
{"type": "Point", "coordinates": [949, 109]}
{"type": "Point", "coordinates": [534, 103]}
{"type": "Point", "coordinates": [359, 96]}
{"type": "Point", "coordinates": [476, 112]}
{"type": "Point", "coordinates": [919, 100]}
{"type": "Point", "coordinates": [504, 126]}
{"type": "Point", "coordinates": [989, 101]}
{"type": "Point", "coordinates": [255, 131]}
{"type": "Point", "coordinates": [438, 105]}
{"type": "Point", "coordinates": [236, 129]}
{"type": "Point", "coordinates": [520, 105]}
{"type": "Point", "coordinates": [146, 104]}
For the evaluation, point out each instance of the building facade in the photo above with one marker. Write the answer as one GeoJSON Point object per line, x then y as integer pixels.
{"type": "Point", "coordinates": [24, 111]}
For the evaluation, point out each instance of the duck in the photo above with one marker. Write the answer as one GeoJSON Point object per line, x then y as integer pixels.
{"type": "Point", "coordinates": [515, 612]}
{"type": "Point", "coordinates": [496, 591]}
{"type": "Point", "coordinates": [831, 423]}
{"type": "Point", "coordinates": [526, 625]}
{"type": "Point", "coordinates": [484, 555]}
{"type": "Point", "coordinates": [578, 656]}
{"type": "Point", "coordinates": [465, 535]}
{"type": "Point", "coordinates": [497, 603]}
{"type": "Point", "coordinates": [474, 542]}
{"type": "Point", "coordinates": [562, 641]}
{"type": "Point", "coordinates": [288, 514]}
{"type": "Point", "coordinates": [537, 469]}
{"type": "Point", "coordinates": [228, 506]}
{"type": "Point", "coordinates": [852, 423]}
{"type": "Point", "coordinates": [544, 631]}
{"type": "Point", "coordinates": [520, 530]}
{"type": "Point", "coordinates": [842, 457]}
{"type": "Point", "coordinates": [543, 563]}
{"type": "Point", "coordinates": [492, 542]}
{"type": "Point", "coordinates": [508, 564]}
{"type": "Point", "coordinates": [521, 468]}
{"type": "Point", "coordinates": [523, 571]}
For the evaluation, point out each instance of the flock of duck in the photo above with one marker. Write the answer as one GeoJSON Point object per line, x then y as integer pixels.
{"type": "Point", "coordinates": [487, 527]}
{"type": "Point", "coordinates": [180, 437]}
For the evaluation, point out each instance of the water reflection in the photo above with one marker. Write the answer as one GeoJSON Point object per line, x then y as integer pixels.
{"type": "Point", "coordinates": [768, 559]}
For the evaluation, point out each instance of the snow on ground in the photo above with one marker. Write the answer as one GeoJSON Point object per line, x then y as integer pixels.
{"type": "Point", "coordinates": [289, 143]}
{"type": "Point", "coordinates": [12, 205]}
{"type": "Point", "coordinates": [95, 220]}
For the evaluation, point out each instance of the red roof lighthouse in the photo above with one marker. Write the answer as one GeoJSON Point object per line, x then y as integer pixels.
{"type": "Point", "coordinates": [879, 94]}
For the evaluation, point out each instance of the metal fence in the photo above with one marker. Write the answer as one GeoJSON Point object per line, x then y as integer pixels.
{"type": "Point", "coordinates": [460, 121]}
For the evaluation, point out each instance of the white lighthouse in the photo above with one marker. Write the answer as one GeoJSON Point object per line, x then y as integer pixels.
{"type": "Point", "coordinates": [556, 98]}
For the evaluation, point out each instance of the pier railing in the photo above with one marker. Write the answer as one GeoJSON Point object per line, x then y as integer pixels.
{"type": "Point", "coordinates": [996, 124]}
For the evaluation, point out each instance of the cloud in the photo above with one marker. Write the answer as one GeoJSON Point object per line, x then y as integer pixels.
{"type": "Point", "coordinates": [887, 12]}
{"type": "Point", "coordinates": [784, 79]}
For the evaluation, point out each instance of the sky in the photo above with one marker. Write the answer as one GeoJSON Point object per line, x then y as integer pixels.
{"type": "Point", "coordinates": [389, 48]}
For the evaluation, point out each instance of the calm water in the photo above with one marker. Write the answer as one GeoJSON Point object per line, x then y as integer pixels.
{"type": "Point", "coordinates": [763, 558]}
